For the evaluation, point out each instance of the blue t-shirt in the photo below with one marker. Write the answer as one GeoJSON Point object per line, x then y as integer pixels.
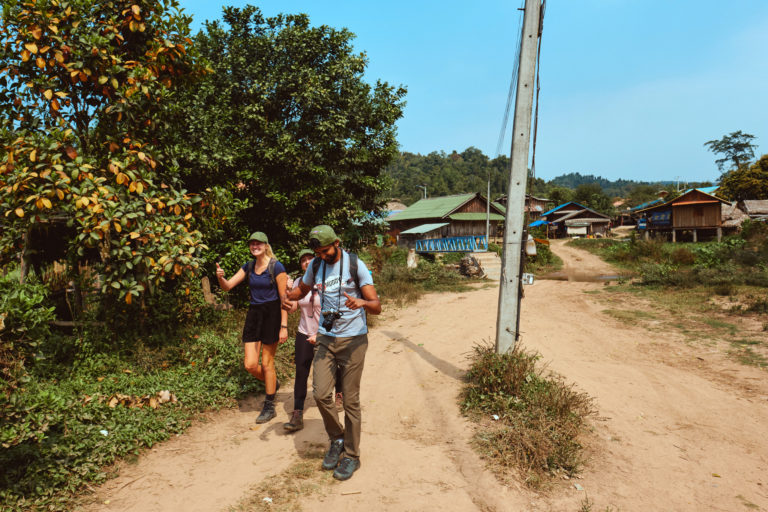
{"type": "Point", "coordinates": [352, 322]}
{"type": "Point", "coordinates": [261, 286]}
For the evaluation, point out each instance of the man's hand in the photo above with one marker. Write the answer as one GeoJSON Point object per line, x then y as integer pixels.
{"type": "Point", "coordinates": [283, 335]}
{"type": "Point", "coordinates": [312, 339]}
{"type": "Point", "coordinates": [353, 302]}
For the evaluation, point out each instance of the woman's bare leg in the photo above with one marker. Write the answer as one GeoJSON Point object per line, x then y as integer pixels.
{"type": "Point", "coordinates": [251, 362]}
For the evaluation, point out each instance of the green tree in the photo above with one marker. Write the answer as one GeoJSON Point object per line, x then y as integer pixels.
{"type": "Point", "coordinates": [592, 196]}
{"type": "Point", "coordinates": [83, 90]}
{"type": "Point", "coordinates": [640, 194]}
{"type": "Point", "coordinates": [285, 124]}
{"type": "Point", "coordinates": [560, 195]}
{"type": "Point", "coordinates": [746, 182]}
{"type": "Point", "coordinates": [735, 148]}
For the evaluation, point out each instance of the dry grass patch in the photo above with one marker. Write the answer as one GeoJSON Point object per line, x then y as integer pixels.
{"type": "Point", "coordinates": [529, 419]}
{"type": "Point", "coordinates": [736, 323]}
{"type": "Point", "coordinates": [282, 492]}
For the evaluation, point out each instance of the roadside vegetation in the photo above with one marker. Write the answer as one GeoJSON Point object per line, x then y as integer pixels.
{"type": "Point", "coordinates": [545, 260]}
{"type": "Point", "coordinates": [75, 402]}
{"type": "Point", "coordinates": [529, 419]}
{"type": "Point", "coordinates": [720, 288]}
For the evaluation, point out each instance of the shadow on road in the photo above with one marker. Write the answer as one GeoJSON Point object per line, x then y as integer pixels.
{"type": "Point", "coordinates": [441, 365]}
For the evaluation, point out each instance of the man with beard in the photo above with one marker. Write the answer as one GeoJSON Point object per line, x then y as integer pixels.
{"type": "Point", "coordinates": [347, 294]}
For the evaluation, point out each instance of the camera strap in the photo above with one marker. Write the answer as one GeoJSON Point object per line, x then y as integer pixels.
{"type": "Point", "coordinates": [341, 274]}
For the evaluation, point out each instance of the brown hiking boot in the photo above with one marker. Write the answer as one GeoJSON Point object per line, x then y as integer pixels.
{"type": "Point", "coordinates": [297, 421]}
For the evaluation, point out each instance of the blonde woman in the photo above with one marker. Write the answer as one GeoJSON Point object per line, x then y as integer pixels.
{"type": "Point", "coordinates": [266, 322]}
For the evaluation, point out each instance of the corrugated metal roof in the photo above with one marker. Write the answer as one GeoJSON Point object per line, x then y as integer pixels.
{"type": "Point", "coordinates": [561, 206]}
{"type": "Point", "coordinates": [424, 228]}
{"type": "Point", "coordinates": [688, 203]}
{"type": "Point", "coordinates": [500, 206]}
{"type": "Point", "coordinates": [585, 222]}
{"type": "Point", "coordinates": [432, 208]}
{"type": "Point", "coordinates": [646, 204]}
{"type": "Point", "coordinates": [474, 216]}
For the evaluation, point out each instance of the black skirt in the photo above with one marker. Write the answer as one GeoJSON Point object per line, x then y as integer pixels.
{"type": "Point", "coordinates": [262, 323]}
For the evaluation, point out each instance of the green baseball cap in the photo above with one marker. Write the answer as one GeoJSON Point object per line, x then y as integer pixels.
{"type": "Point", "coordinates": [306, 252]}
{"type": "Point", "coordinates": [259, 237]}
{"type": "Point", "coordinates": [322, 235]}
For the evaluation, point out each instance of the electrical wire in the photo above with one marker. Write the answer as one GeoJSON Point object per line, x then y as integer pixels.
{"type": "Point", "coordinates": [538, 88]}
{"type": "Point", "coordinates": [512, 82]}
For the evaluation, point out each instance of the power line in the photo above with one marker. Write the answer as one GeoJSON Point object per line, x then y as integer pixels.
{"type": "Point", "coordinates": [538, 88]}
{"type": "Point", "coordinates": [512, 84]}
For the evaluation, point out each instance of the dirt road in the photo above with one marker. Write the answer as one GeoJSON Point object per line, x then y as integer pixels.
{"type": "Point", "coordinates": [680, 427]}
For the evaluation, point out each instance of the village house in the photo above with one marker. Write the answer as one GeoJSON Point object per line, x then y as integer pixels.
{"type": "Point", "coordinates": [756, 209]}
{"type": "Point", "coordinates": [534, 206]}
{"type": "Point", "coordinates": [461, 216]}
{"type": "Point", "coordinates": [573, 219]}
{"type": "Point", "coordinates": [695, 213]}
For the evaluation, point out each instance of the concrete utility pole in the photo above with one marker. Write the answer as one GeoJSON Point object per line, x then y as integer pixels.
{"type": "Point", "coordinates": [507, 324]}
{"type": "Point", "coordinates": [425, 190]}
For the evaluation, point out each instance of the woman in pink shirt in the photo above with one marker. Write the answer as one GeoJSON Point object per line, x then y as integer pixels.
{"type": "Point", "coordinates": [306, 337]}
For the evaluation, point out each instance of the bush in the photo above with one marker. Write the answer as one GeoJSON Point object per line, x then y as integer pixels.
{"type": "Point", "coordinates": [24, 325]}
{"type": "Point", "coordinates": [683, 256]}
{"type": "Point", "coordinates": [59, 434]}
{"type": "Point", "coordinates": [539, 416]}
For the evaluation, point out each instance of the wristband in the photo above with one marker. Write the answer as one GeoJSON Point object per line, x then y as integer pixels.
{"type": "Point", "coordinates": [283, 326]}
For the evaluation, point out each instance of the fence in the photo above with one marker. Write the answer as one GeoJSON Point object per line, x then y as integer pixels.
{"type": "Point", "coordinates": [453, 244]}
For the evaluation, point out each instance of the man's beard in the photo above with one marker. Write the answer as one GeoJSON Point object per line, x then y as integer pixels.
{"type": "Point", "coordinates": [332, 259]}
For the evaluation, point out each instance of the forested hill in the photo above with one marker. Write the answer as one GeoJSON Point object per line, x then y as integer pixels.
{"type": "Point", "coordinates": [444, 174]}
{"type": "Point", "coordinates": [455, 173]}
{"type": "Point", "coordinates": [618, 188]}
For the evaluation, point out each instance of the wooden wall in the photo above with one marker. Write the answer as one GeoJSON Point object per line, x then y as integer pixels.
{"type": "Point", "coordinates": [697, 216]}
{"type": "Point", "coordinates": [476, 205]}
{"type": "Point", "coordinates": [473, 228]}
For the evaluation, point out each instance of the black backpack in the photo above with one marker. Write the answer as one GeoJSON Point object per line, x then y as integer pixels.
{"type": "Point", "coordinates": [270, 269]}
{"type": "Point", "coordinates": [352, 267]}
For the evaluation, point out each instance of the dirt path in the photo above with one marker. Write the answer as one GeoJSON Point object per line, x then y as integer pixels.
{"type": "Point", "coordinates": [672, 433]}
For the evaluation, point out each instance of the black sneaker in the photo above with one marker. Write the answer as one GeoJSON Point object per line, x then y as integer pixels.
{"type": "Point", "coordinates": [346, 467]}
{"type": "Point", "coordinates": [296, 422]}
{"type": "Point", "coordinates": [267, 412]}
{"type": "Point", "coordinates": [331, 459]}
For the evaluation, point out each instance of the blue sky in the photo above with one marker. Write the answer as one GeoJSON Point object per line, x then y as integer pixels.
{"type": "Point", "coordinates": [629, 88]}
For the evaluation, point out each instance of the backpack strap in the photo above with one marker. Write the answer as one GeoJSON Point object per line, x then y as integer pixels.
{"type": "Point", "coordinates": [271, 270]}
{"type": "Point", "coordinates": [249, 268]}
{"type": "Point", "coordinates": [316, 265]}
{"type": "Point", "coordinates": [353, 269]}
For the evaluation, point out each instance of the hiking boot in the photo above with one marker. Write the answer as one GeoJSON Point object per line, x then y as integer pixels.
{"type": "Point", "coordinates": [331, 459]}
{"type": "Point", "coordinates": [267, 412]}
{"type": "Point", "coordinates": [346, 467]}
{"type": "Point", "coordinates": [296, 422]}
{"type": "Point", "coordinates": [339, 401]}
